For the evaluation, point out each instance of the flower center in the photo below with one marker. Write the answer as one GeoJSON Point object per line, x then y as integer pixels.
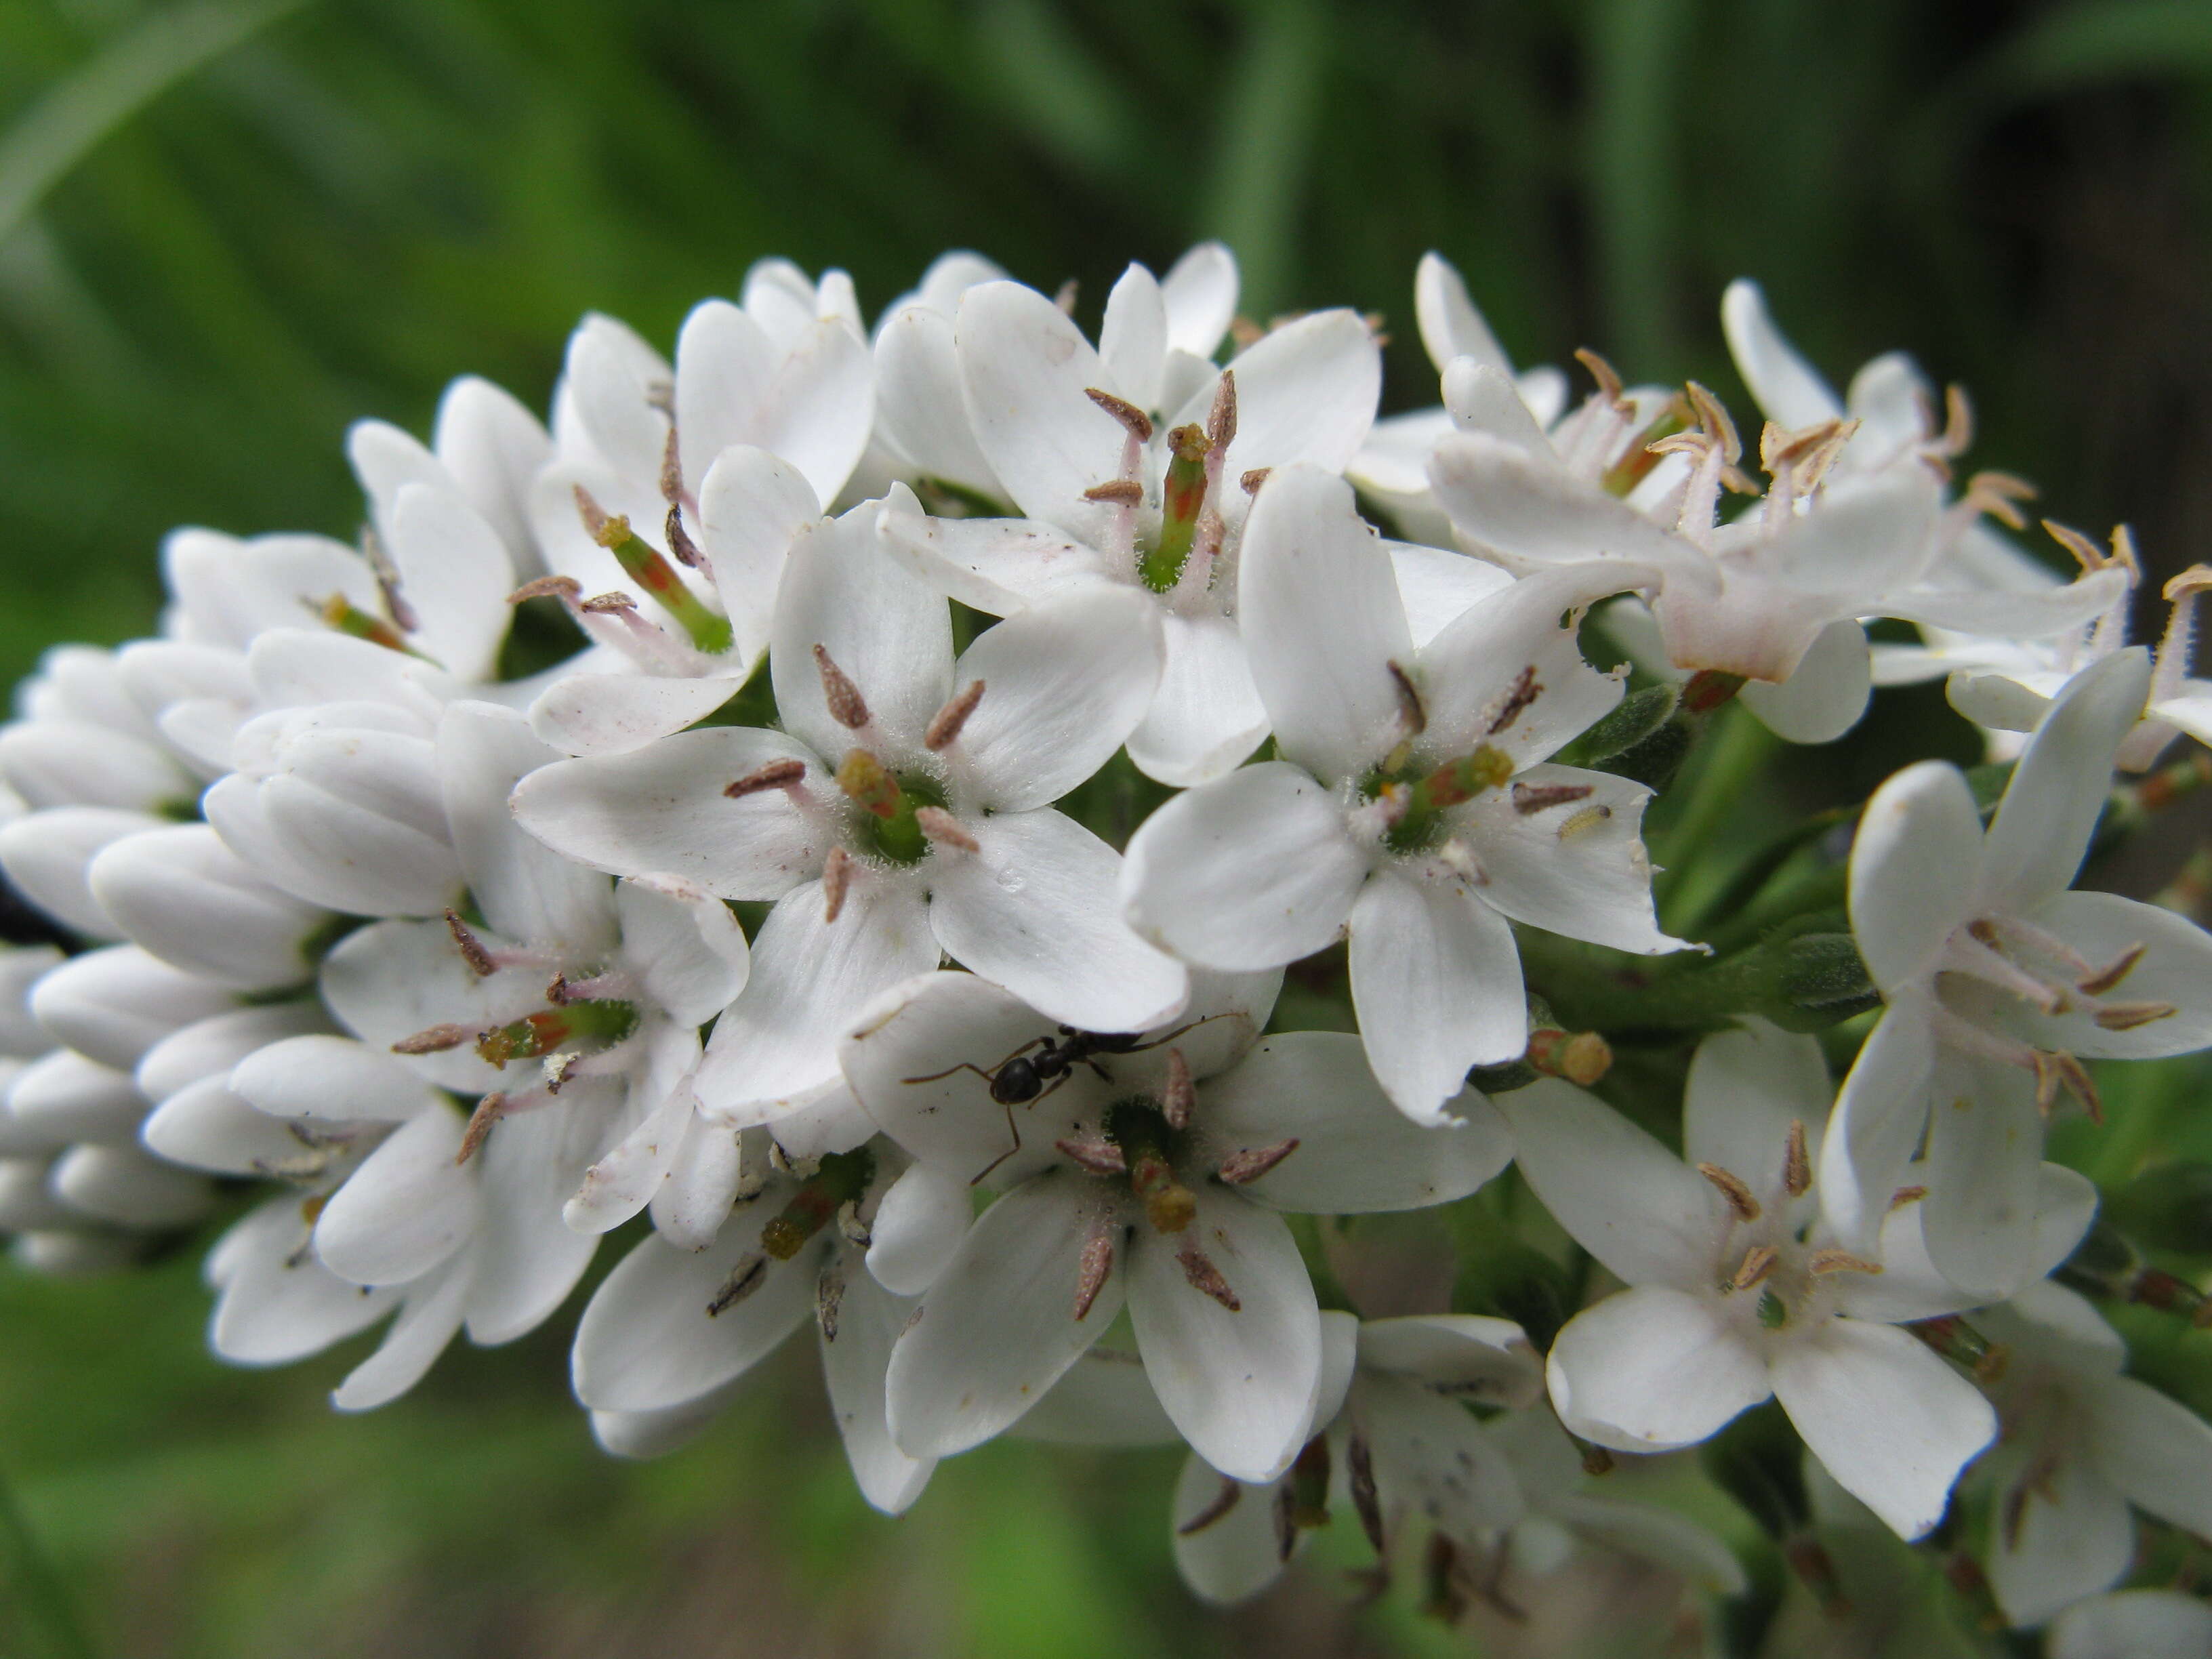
{"type": "Point", "coordinates": [891, 804]}
{"type": "Point", "coordinates": [709, 630]}
{"type": "Point", "coordinates": [579, 1027]}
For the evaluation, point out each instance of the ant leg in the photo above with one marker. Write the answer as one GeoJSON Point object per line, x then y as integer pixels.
{"type": "Point", "coordinates": [991, 1075]}
{"type": "Point", "coordinates": [1184, 1031]}
{"type": "Point", "coordinates": [1014, 1130]}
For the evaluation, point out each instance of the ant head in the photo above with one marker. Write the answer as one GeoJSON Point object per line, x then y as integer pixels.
{"type": "Point", "coordinates": [1018, 1081]}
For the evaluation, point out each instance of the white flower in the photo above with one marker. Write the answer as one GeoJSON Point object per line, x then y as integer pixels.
{"type": "Point", "coordinates": [2081, 1444]}
{"type": "Point", "coordinates": [1999, 983]}
{"type": "Point", "coordinates": [1133, 481]}
{"type": "Point", "coordinates": [485, 447]}
{"type": "Point", "coordinates": [1738, 1288]}
{"type": "Point", "coordinates": [1149, 1167]}
{"type": "Point", "coordinates": [2140, 1623]}
{"type": "Point", "coordinates": [670, 1334]}
{"type": "Point", "coordinates": [674, 494]}
{"type": "Point", "coordinates": [1412, 802]}
{"type": "Point", "coordinates": [903, 811]}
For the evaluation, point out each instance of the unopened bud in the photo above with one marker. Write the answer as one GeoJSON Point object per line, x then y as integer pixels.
{"type": "Point", "coordinates": [1581, 1057]}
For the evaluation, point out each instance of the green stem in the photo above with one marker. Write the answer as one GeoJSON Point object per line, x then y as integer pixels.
{"type": "Point", "coordinates": [37, 1587]}
{"type": "Point", "coordinates": [1733, 754]}
{"type": "Point", "coordinates": [1751, 877]}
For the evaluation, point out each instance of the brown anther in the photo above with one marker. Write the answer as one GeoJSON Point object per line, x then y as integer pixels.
{"type": "Point", "coordinates": [1198, 1269]}
{"type": "Point", "coordinates": [1139, 423]}
{"type": "Point", "coordinates": [1064, 296]}
{"type": "Point", "coordinates": [1249, 482]}
{"type": "Point", "coordinates": [2197, 579]}
{"type": "Point", "coordinates": [1758, 1262]}
{"type": "Point", "coordinates": [1607, 376]}
{"type": "Point", "coordinates": [1839, 1261]}
{"type": "Point", "coordinates": [1122, 492]}
{"type": "Point", "coordinates": [1359, 1468]}
{"type": "Point", "coordinates": [1732, 1189]}
{"type": "Point", "coordinates": [556, 992]}
{"type": "Point", "coordinates": [671, 469]}
{"type": "Point", "coordinates": [1222, 1503]}
{"type": "Point", "coordinates": [561, 1069]}
{"type": "Point", "coordinates": [1091, 1270]}
{"type": "Point", "coordinates": [488, 1111]}
{"type": "Point", "coordinates": [1530, 798]}
{"type": "Point", "coordinates": [1737, 482]}
{"type": "Point", "coordinates": [1714, 422]}
{"type": "Point", "coordinates": [1905, 1196]}
{"type": "Point", "coordinates": [946, 723]}
{"type": "Point", "coordinates": [941, 827]}
{"type": "Point", "coordinates": [1797, 1167]}
{"type": "Point", "coordinates": [567, 589]}
{"type": "Point", "coordinates": [829, 1302]}
{"type": "Point", "coordinates": [387, 581]}
{"type": "Point", "coordinates": [1413, 715]}
{"type": "Point", "coordinates": [472, 948]}
{"type": "Point", "coordinates": [1178, 1095]}
{"type": "Point", "coordinates": [1957, 421]}
{"type": "Point", "coordinates": [679, 540]}
{"type": "Point", "coordinates": [776, 775]}
{"type": "Point", "coordinates": [836, 879]}
{"type": "Point", "coordinates": [846, 706]}
{"type": "Point", "coordinates": [748, 1276]}
{"type": "Point", "coordinates": [1221, 419]}
{"type": "Point", "coordinates": [1099, 1156]}
{"type": "Point", "coordinates": [2055, 1069]}
{"type": "Point", "coordinates": [1523, 692]}
{"type": "Point", "coordinates": [1248, 1163]}
{"type": "Point", "coordinates": [609, 530]}
{"type": "Point", "coordinates": [1282, 1513]}
{"type": "Point", "coordinates": [605, 604]}
{"type": "Point", "coordinates": [2091, 557]}
{"type": "Point", "coordinates": [436, 1040]}
{"type": "Point", "coordinates": [1998, 494]}
{"type": "Point", "coordinates": [2131, 1015]}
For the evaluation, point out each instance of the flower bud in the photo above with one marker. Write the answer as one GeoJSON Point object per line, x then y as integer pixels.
{"type": "Point", "coordinates": [183, 895]}
{"type": "Point", "coordinates": [125, 1186]}
{"type": "Point", "coordinates": [114, 1004]}
{"type": "Point", "coordinates": [66, 1097]}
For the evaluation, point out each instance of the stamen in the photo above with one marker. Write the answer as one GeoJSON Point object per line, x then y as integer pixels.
{"type": "Point", "coordinates": [868, 785]}
{"type": "Point", "coordinates": [1098, 1156]}
{"type": "Point", "coordinates": [1204, 1277]}
{"type": "Point", "coordinates": [2108, 978]}
{"type": "Point", "coordinates": [434, 1039]}
{"type": "Point", "coordinates": [612, 603]}
{"type": "Point", "coordinates": [567, 589]}
{"type": "Point", "coordinates": [1607, 376]}
{"type": "Point", "coordinates": [687, 552]}
{"type": "Point", "coordinates": [1091, 1270]}
{"type": "Point", "coordinates": [1224, 1501]}
{"type": "Point", "coordinates": [1530, 798]}
{"type": "Point", "coordinates": [1243, 1167]}
{"type": "Point", "coordinates": [1732, 1189]}
{"type": "Point", "coordinates": [1412, 717]}
{"type": "Point", "coordinates": [776, 775]}
{"type": "Point", "coordinates": [1180, 1095]}
{"type": "Point", "coordinates": [672, 469]}
{"type": "Point", "coordinates": [1797, 1167]}
{"type": "Point", "coordinates": [1359, 1468]}
{"type": "Point", "coordinates": [1121, 492]}
{"type": "Point", "coordinates": [941, 827]}
{"type": "Point", "coordinates": [1713, 420]}
{"type": "Point", "coordinates": [472, 948]}
{"type": "Point", "coordinates": [846, 706]}
{"type": "Point", "coordinates": [1523, 692]}
{"type": "Point", "coordinates": [828, 1301]}
{"type": "Point", "coordinates": [1905, 1196]}
{"type": "Point", "coordinates": [836, 879]}
{"type": "Point", "coordinates": [1758, 1262]}
{"type": "Point", "coordinates": [1839, 1261]}
{"type": "Point", "coordinates": [388, 581]}
{"type": "Point", "coordinates": [748, 1276]}
{"type": "Point", "coordinates": [1221, 419]}
{"type": "Point", "coordinates": [1959, 421]}
{"type": "Point", "coordinates": [488, 1111]}
{"type": "Point", "coordinates": [2132, 1016]}
{"type": "Point", "coordinates": [1133, 419]}
{"type": "Point", "coordinates": [1249, 483]}
{"type": "Point", "coordinates": [946, 723]}
{"type": "Point", "coordinates": [1064, 297]}
{"type": "Point", "coordinates": [709, 630]}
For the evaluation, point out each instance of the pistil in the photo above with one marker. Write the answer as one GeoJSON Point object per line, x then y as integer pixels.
{"type": "Point", "coordinates": [580, 1025]}
{"type": "Point", "coordinates": [842, 1179]}
{"type": "Point", "coordinates": [709, 630]}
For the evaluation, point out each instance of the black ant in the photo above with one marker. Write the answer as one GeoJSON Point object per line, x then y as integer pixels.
{"type": "Point", "coordinates": [1022, 1078]}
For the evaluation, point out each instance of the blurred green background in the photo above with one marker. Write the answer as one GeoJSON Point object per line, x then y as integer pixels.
{"type": "Point", "coordinates": [227, 229]}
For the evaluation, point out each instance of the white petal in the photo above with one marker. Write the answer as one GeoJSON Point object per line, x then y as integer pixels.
{"type": "Point", "coordinates": [1473, 671]}
{"type": "Point", "coordinates": [612, 376]}
{"type": "Point", "coordinates": [917, 399]}
{"type": "Point", "coordinates": [2058, 791]}
{"type": "Point", "coordinates": [1450, 324]}
{"type": "Point", "coordinates": [1657, 1535]}
{"type": "Point", "coordinates": [1105, 1399]}
{"type": "Point", "coordinates": [2144, 1624]}
{"type": "Point", "coordinates": [1436, 980]}
{"type": "Point", "coordinates": [278, 1303]}
{"type": "Point", "coordinates": [429, 1318]}
{"type": "Point", "coordinates": [1133, 340]}
{"type": "Point", "coordinates": [1207, 715]}
{"type": "Point", "coordinates": [1430, 1457]}
{"type": "Point", "coordinates": [1893, 1423]}
{"type": "Point", "coordinates": [1438, 588]}
{"type": "Point", "coordinates": [890, 631]}
{"type": "Point", "coordinates": [64, 1097]}
{"type": "Point", "coordinates": [1506, 499]}
{"type": "Point", "coordinates": [1789, 390]}
{"type": "Point", "coordinates": [1824, 695]}
{"type": "Point", "coordinates": [1037, 909]}
{"type": "Point", "coordinates": [1065, 683]}
{"type": "Point", "coordinates": [661, 811]}
{"type": "Point", "coordinates": [1239, 1553]}
{"type": "Point", "coordinates": [690, 1205]}
{"type": "Point", "coordinates": [920, 1222]}
{"type": "Point", "coordinates": [1249, 872]}
{"type": "Point", "coordinates": [1745, 1088]}
{"type": "Point", "coordinates": [387, 981]}
{"type": "Point", "coordinates": [999, 1327]}
{"type": "Point", "coordinates": [113, 1005]}
{"type": "Point", "coordinates": [1641, 1211]}
{"type": "Point", "coordinates": [1322, 625]}
{"type": "Point", "coordinates": [1239, 1383]}
{"type": "Point", "coordinates": [2072, 1538]}
{"type": "Point", "coordinates": [492, 447]}
{"type": "Point", "coordinates": [331, 1079]}
{"type": "Point", "coordinates": [656, 1434]}
{"type": "Point", "coordinates": [527, 1258]}
{"type": "Point", "coordinates": [123, 1185]}
{"type": "Point", "coordinates": [207, 1126]}
{"type": "Point", "coordinates": [817, 411]}
{"type": "Point", "coordinates": [627, 1178]}
{"type": "Point", "coordinates": [1487, 1361]}
{"type": "Point", "coordinates": [356, 860]}
{"type": "Point", "coordinates": [1985, 1177]}
{"type": "Point", "coordinates": [685, 945]}
{"type": "Point", "coordinates": [1577, 868]}
{"type": "Point", "coordinates": [751, 507]}
{"type": "Point", "coordinates": [229, 591]}
{"type": "Point", "coordinates": [61, 763]}
{"type": "Point", "coordinates": [998, 566]}
{"type": "Point", "coordinates": [1356, 1151]}
{"type": "Point", "coordinates": [1479, 396]}
{"type": "Point", "coordinates": [2014, 615]}
{"type": "Point", "coordinates": [1652, 1369]}
{"type": "Point", "coordinates": [777, 1046]}
{"type": "Point", "coordinates": [614, 713]}
{"type": "Point", "coordinates": [1306, 391]}
{"type": "Point", "coordinates": [47, 856]}
{"type": "Point", "coordinates": [455, 575]}
{"type": "Point", "coordinates": [854, 1364]}
{"type": "Point", "coordinates": [1025, 369]}
{"type": "Point", "coordinates": [724, 364]}
{"type": "Point", "coordinates": [1915, 866]}
{"type": "Point", "coordinates": [407, 1208]}
{"type": "Point", "coordinates": [522, 889]}
{"type": "Point", "coordinates": [2156, 1450]}
{"type": "Point", "coordinates": [2177, 970]}
{"type": "Point", "coordinates": [209, 1048]}
{"type": "Point", "coordinates": [1880, 1114]}
{"type": "Point", "coordinates": [646, 1340]}
{"type": "Point", "coordinates": [1200, 291]}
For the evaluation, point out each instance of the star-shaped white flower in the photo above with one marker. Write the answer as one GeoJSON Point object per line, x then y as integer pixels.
{"type": "Point", "coordinates": [1413, 803]}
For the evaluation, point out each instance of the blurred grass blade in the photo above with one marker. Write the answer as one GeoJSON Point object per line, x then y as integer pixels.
{"type": "Point", "coordinates": [2119, 39]}
{"type": "Point", "coordinates": [1264, 141]}
{"type": "Point", "coordinates": [1637, 55]}
{"type": "Point", "coordinates": [121, 79]}
{"type": "Point", "coordinates": [32, 1584]}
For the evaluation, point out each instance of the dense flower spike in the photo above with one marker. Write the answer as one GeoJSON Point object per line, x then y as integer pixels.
{"type": "Point", "coordinates": [638, 824]}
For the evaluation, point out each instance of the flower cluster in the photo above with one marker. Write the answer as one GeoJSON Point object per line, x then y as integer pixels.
{"type": "Point", "coordinates": [983, 842]}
